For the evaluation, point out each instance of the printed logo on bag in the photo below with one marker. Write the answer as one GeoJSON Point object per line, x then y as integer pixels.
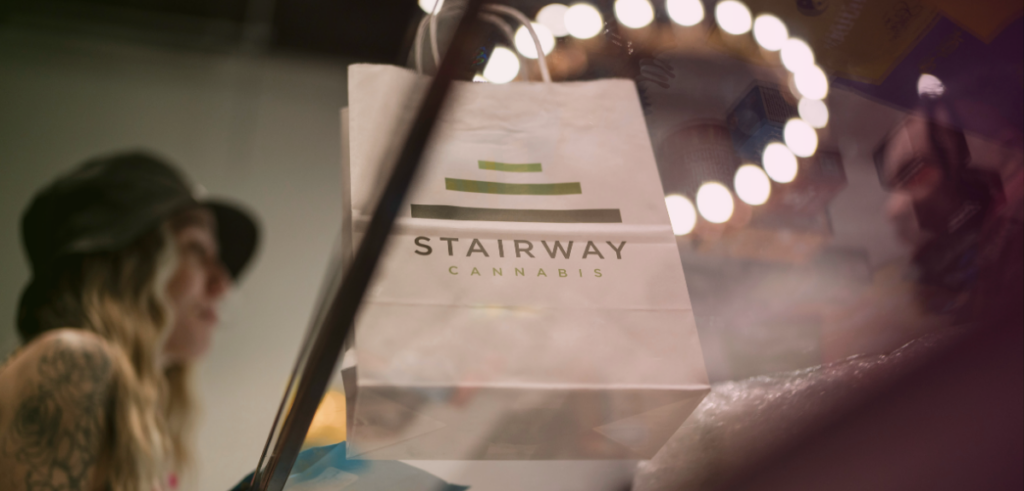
{"type": "Point", "coordinates": [521, 247]}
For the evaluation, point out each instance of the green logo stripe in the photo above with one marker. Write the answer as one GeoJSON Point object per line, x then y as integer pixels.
{"type": "Point", "coordinates": [504, 188]}
{"type": "Point", "coordinates": [488, 165]}
{"type": "Point", "coordinates": [444, 212]}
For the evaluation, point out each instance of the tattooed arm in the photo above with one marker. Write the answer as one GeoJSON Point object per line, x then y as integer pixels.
{"type": "Point", "coordinates": [55, 397]}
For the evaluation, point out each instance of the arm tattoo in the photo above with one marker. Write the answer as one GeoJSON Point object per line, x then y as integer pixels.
{"type": "Point", "coordinates": [58, 429]}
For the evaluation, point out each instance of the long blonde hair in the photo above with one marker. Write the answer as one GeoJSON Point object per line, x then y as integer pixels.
{"type": "Point", "coordinates": [119, 296]}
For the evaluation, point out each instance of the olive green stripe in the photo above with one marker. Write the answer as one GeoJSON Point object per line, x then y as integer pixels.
{"type": "Point", "coordinates": [504, 188]}
{"type": "Point", "coordinates": [445, 212]}
{"type": "Point", "coordinates": [500, 166]}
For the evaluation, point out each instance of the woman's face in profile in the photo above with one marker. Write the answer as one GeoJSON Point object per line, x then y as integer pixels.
{"type": "Point", "coordinates": [195, 288]}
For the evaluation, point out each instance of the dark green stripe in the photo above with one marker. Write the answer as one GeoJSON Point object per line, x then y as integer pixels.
{"type": "Point", "coordinates": [444, 212]}
{"type": "Point", "coordinates": [504, 188]}
{"type": "Point", "coordinates": [488, 165]}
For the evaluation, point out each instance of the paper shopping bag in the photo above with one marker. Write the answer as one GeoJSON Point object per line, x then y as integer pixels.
{"type": "Point", "coordinates": [530, 303]}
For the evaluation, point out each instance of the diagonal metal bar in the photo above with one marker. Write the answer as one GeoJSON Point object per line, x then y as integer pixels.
{"type": "Point", "coordinates": [337, 323]}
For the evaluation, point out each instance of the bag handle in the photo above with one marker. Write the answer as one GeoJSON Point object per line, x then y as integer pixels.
{"type": "Point", "coordinates": [429, 23]}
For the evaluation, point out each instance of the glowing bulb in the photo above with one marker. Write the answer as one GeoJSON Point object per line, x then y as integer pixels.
{"type": "Point", "coordinates": [634, 13]}
{"type": "Point", "coordinates": [681, 214]}
{"type": "Point", "coordinates": [428, 5]}
{"type": "Point", "coordinates": [733, 17]}
{"type": "Point", "coordinates": [752, 184]}
{"type": "Point", "coordinates": [814, 111]}
{"type": "Point", "coordinates": [796, 54]}
{"type": "Point", "coordinates": [502, 67]}
{"type": "Point", "coordinates": [770, 32]}
{"type": "Point", "coordinates": [714, 202]}
{"type": "Point", "coordinates": [779, 163]}
{"type": "Point", "coordinates": [552, 16]}
{"type": "Point", "coordinates": [685, 12]}
{"type": "Point", "coordinates": [811, 82]}
{"type": "Point", "coordinates": [801, 139]}
{"type": "Point", "coordinates": [583, 21]}
{"type": "Point", "coordinates": [929, 86]}
{"type": "Point", "coordinates": [524, 41]}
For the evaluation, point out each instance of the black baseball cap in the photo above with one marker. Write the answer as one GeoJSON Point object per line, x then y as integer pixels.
{"type": "Point", "coordinates": [107, 203]}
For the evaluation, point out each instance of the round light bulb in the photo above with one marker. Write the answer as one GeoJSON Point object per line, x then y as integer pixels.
{"type": "Point", "coordinates": [801, 139]}
{"type": "Point", "coordinates": [929, 86]}
{"type": "Point", "coordinates": [770, 32]}
{"type": "Point", "coordinates": [796, 54]}
{"type": "Point", "coordinates": [752, 185]}
{"type": "Point", "coordinates": [814, 111]}
{"type": "Point", "coordinates": [553, 17]}
{"type": "Point", "coordinates": [634, 13]}
{"type": "Point", "coordinates": [502, 67]}
{"type": "Point", "coordinates": [714, 201]}
{"type": "Point", "coordinates": [685, 12]}
{"type": "Point", "coordinates": [681, 213]}
{"type": "Point", "coordinates": [428, 5]}
{"type": "Point", "coordinates": [733, 17]}
{"type": "Point", "coordinates": [583, 21]}
{"type": "Point", "coordinates": [779, 163]}
{"type": "Point", "coordinates": [524, 41]}
{"type": "Point", "coordinates": [811, 82]}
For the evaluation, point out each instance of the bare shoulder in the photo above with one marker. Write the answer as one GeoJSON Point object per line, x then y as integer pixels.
{"type": "Point", "coordinates": [54, 411]}
{"type": "Point", "coordinates": [61, 355]}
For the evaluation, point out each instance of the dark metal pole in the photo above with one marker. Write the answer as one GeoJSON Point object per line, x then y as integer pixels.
{"type": "Point", "coordinates": [331, 334]}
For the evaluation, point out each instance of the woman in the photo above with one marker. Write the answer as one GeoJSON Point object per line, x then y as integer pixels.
{"type": "Point", "coordinates": [128, 268]}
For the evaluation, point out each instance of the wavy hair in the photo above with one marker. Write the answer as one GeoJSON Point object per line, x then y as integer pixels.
{"type": "Point", "coordinates": [120, 296]}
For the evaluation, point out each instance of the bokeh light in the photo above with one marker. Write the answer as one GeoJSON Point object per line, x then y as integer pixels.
{"type": "Point", "coordinates": [553, 17]}
{"type": "Point", "coordinates": [428, 5]}
{"type": "Point", "coordinates": [714, 201]}
{"type": "Point", "coordinates": [814, 111]}
{"type": "Point", "coordinates": [800, 137]}
{"type": "Point", "coordinates": [685, 12]}
{"type": "Point", "coordinates": [681, 213]}
{"type": "Point", "coordinates": [770, 32]}
{"type": "Point", "coordinates": [752, 184]}
{"type": "Point", "coordinates": [583, 21]}
{"type": "Point", "coordinates": [733, 17]}
{"type": "Point", "coordinates": [779, 163]}
{"type": "Point", "coordinates": [796, 55]}
{"type": "Point", "coordinates": [524, 41]}
{"type": "Point", "coordinates": [811, 82]}
{"type": "Point", "coordinates": [502, 67]}
{"type": "Point", "coordinates": [634, 13]}
{"type": "Point", "coordinates": [929, 86]}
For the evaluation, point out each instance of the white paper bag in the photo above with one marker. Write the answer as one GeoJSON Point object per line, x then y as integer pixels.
{"type": "Point", "coordinates": [530, 303]}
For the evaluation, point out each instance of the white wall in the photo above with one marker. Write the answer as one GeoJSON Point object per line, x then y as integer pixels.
{"type": "Point", "coordinates": [263, 130]}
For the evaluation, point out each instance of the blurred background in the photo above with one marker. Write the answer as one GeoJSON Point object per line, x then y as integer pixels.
{"type": "Point", "coordinates": [245, 96]}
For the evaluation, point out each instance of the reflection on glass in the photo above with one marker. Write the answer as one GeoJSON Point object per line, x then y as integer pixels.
{"type": "Point", "coordinates": [553, 17]}
{"type": "Point", "coordinates": [779, 163]}
{"type": "Point", "coordinates": [929, 85]}
{"type": "Point", "coordinates": [502, 67]}
{"type": "Point", "coordinates": [524, 41]}
{"type": "Point", "coordinates": [429, 7]}
{"type": "Point", "coordinates": [811, 82]}
{"type": "Point", "coordinates": [814, 112]}
{"type": "Point", "coordinates": [801, 139]}
{"type": "Point", "coordinates": [770, 32]}
{"type": "Point", "coordinates": [796, 55]}
{"type": "Point", "coordinates": [752, 185]}
{"type": "Point", "coordinates": [714, 202]}
{"type": "Point", "coordinates": [685, 12]}
{"type": "Point", "coordinates": [681, 213]}
{"type": "Point", "coordinates": [733, 17]}
{"type": "Point", "coordinates": [583, 21]}
{"type": "Point", "coordinates": [634, 13]}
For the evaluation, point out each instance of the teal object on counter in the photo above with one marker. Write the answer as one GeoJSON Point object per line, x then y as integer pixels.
{"type": "Point", "coordinates": [327, 469]}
